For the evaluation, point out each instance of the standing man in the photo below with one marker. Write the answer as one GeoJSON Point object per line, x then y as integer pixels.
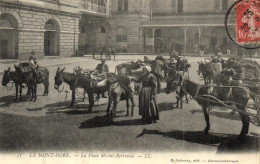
{"type": "Point", "coordinates": [196, 48]}
{"type": "Point", "coordinates": [201, 49]}
{"type": "Point", "coordinates": [158, 71]}
{"type": "Point", "coordinates": [113, 52]}
{"type": "Point", "coordinates": [158, 46]}
{"type": "Point", "coordinates": [103, 50]}
{"type": "Point", "coordinates": [95, 50]}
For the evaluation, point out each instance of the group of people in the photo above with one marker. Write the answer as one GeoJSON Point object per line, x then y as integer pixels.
{"type": "Point", "coordinates": [105, 50]}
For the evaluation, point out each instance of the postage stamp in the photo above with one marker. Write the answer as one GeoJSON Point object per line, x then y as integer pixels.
{"type": "Point", "coordinates": [248, 21]}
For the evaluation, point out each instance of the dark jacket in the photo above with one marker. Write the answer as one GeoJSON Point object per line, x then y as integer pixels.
{"type": "Point", "coordinates": [102, 68]}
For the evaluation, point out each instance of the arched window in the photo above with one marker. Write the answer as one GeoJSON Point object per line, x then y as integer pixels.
{"type": "Point", "coordinates": [8, 21]}
{"type": "Point", "coordinates": [52, 25]}
{"type": "Point", "coordinates": [121, 34]}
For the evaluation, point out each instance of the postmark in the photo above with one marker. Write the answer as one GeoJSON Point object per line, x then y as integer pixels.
{"type": "Point", "coordinates": [244, 17]}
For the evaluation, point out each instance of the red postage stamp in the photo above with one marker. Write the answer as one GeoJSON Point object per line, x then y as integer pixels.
{"type": "Point", "coordinates": [248, 21]}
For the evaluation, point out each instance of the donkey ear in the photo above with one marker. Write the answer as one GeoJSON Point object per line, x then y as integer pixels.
{"type": "Point", "coordinates": [63, 69]}
{"type": "Point", "coordinates": [58, 69]}
{"type": "Point", "coordinates": [8, 69]}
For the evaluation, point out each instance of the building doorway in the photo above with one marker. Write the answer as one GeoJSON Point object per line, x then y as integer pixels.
{"type": "Point", "coordinates": [51, 38]}
{"type": "Point", "coordinates": [3, 49]}
{"type": "Point", "coordinates": [8, 37]}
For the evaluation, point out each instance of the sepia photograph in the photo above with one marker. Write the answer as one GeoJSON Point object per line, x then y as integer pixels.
{"type": "Point", "coordinates": [130, 81]}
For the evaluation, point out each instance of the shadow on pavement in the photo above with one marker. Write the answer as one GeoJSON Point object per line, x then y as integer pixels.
{"type": "Point", "coordinates": [218, 114]}
{"type": "Point", "coordinates": [166, 106]}
{"type": "Point", "coordinates": [98, 121]}
{"type": "Point", "coordinates": [224, 142]}
{"type": "Point", "coordinates": [101, 121]}
{"type": "Point", "coordinates": [78, 112]}
{"type": "Point", "coordinates": [8, 100]}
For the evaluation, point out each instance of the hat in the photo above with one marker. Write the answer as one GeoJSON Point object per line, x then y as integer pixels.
{"type": "Point", "coordinates": [102, 60]}
{"type": "Point", "coordinates": [33, 52]}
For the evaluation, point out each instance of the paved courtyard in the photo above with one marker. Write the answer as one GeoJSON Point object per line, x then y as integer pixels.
{"type": "Point", "coordinates": [50, 124]}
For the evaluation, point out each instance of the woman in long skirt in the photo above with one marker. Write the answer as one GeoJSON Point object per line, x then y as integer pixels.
{"type": "Point", "coordinates": [148, 108]}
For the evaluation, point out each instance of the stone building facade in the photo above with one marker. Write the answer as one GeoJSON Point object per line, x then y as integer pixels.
{"type": "Point", "coordinates": [188, 24]}
{"type": "Point", "coordinates": [120, 30]}
{"type": "Point", "coordinates": [65, 27]}
{"type": "Point", "coordinates": [48, 27]}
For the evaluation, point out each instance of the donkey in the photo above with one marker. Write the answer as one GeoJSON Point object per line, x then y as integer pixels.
{"type": "Point", "coordinates": [17, 78]}
{"type": "Point", "coordinates": [89, 85]}
{"type": "Point", "coordinates": [41, 75]}
{"type": "Point", "coordinates": [207, 70]}
{"type": "Point", "coordinates": [68, 78]}
{"type": "Point", "coordinates": [121, 90]}
{"type": "Point", "coordinates": [237, 95]}
{"type": "Point", "coordinates": [33, 78]}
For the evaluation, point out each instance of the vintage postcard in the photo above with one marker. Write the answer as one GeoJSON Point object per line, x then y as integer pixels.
{"type": "Point", "coordinates": [130, 81]}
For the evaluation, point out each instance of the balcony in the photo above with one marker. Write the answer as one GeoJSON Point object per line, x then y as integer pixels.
{"type": "Point", "coordinates": [96, 7]}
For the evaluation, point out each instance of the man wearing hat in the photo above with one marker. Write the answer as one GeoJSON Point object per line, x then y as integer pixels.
{"type": "Point", "coordinates": [102, 67]}
{"type": "Point", "coordinates": [33, 64]}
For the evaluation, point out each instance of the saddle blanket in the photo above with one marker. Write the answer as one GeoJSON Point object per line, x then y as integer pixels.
{"type": "Point", "coordinates": [101, 83]}
{"type": "Point", "coordinates": [218, 67]}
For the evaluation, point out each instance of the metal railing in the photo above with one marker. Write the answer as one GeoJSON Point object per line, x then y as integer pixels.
{"type": "Point", "coordinates": [93, 7]}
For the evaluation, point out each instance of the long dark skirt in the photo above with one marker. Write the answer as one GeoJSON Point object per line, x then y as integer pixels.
{"type": "Point", "coordinates": [148, 108]}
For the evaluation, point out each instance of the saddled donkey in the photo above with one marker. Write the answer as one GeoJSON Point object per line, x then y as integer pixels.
{"type": "Point", "coordinates": [237, 95]}
{"type": "Point", "coordinates": [41, 75]}
{"type": "Point", "coordinates": [90, 86]}
{"type": "Point", "coordinates": [17, 78]}
{"type": "Point", "coordinates": [123, 89]}
{"type": "Point", "coordinates": [207, 70]}
{"type": "Point", "coordinates": [33, 77]}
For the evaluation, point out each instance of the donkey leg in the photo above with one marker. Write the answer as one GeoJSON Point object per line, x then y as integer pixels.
{"type": "Point", "coordinates": [46, 88]}
{"type": "Point", "coordinates": [206, 115]}
{"type": "Point", "coordinates": [133, 105]}
{"type": "Point", "coordinates": [109, 116]}
{"type": "Point", "coordinates": [84, 95]}
{"type": "Point", "coordinates": [245, 121]}
{"type": "Point", "coordinates": [35, 92]}
{"type": "Point", "coordinates": [32, 92]}
{"type": "Point", "coordinates": [186, 97]}
{"type": "Point", "coordinates": [21, 89]}
{"type": "Point", "coordinates": [28, 91]}
{"type": "Point", "coordinates": [16, 92]}
{"type": "Point", "coordinates": [127, 107]}
{"type": "Point", "coordinates": [116, 100]}
{"type": "Point", "coordinates": [72, 97]}
{"type": "Point", "coordinates": [91, 101]}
